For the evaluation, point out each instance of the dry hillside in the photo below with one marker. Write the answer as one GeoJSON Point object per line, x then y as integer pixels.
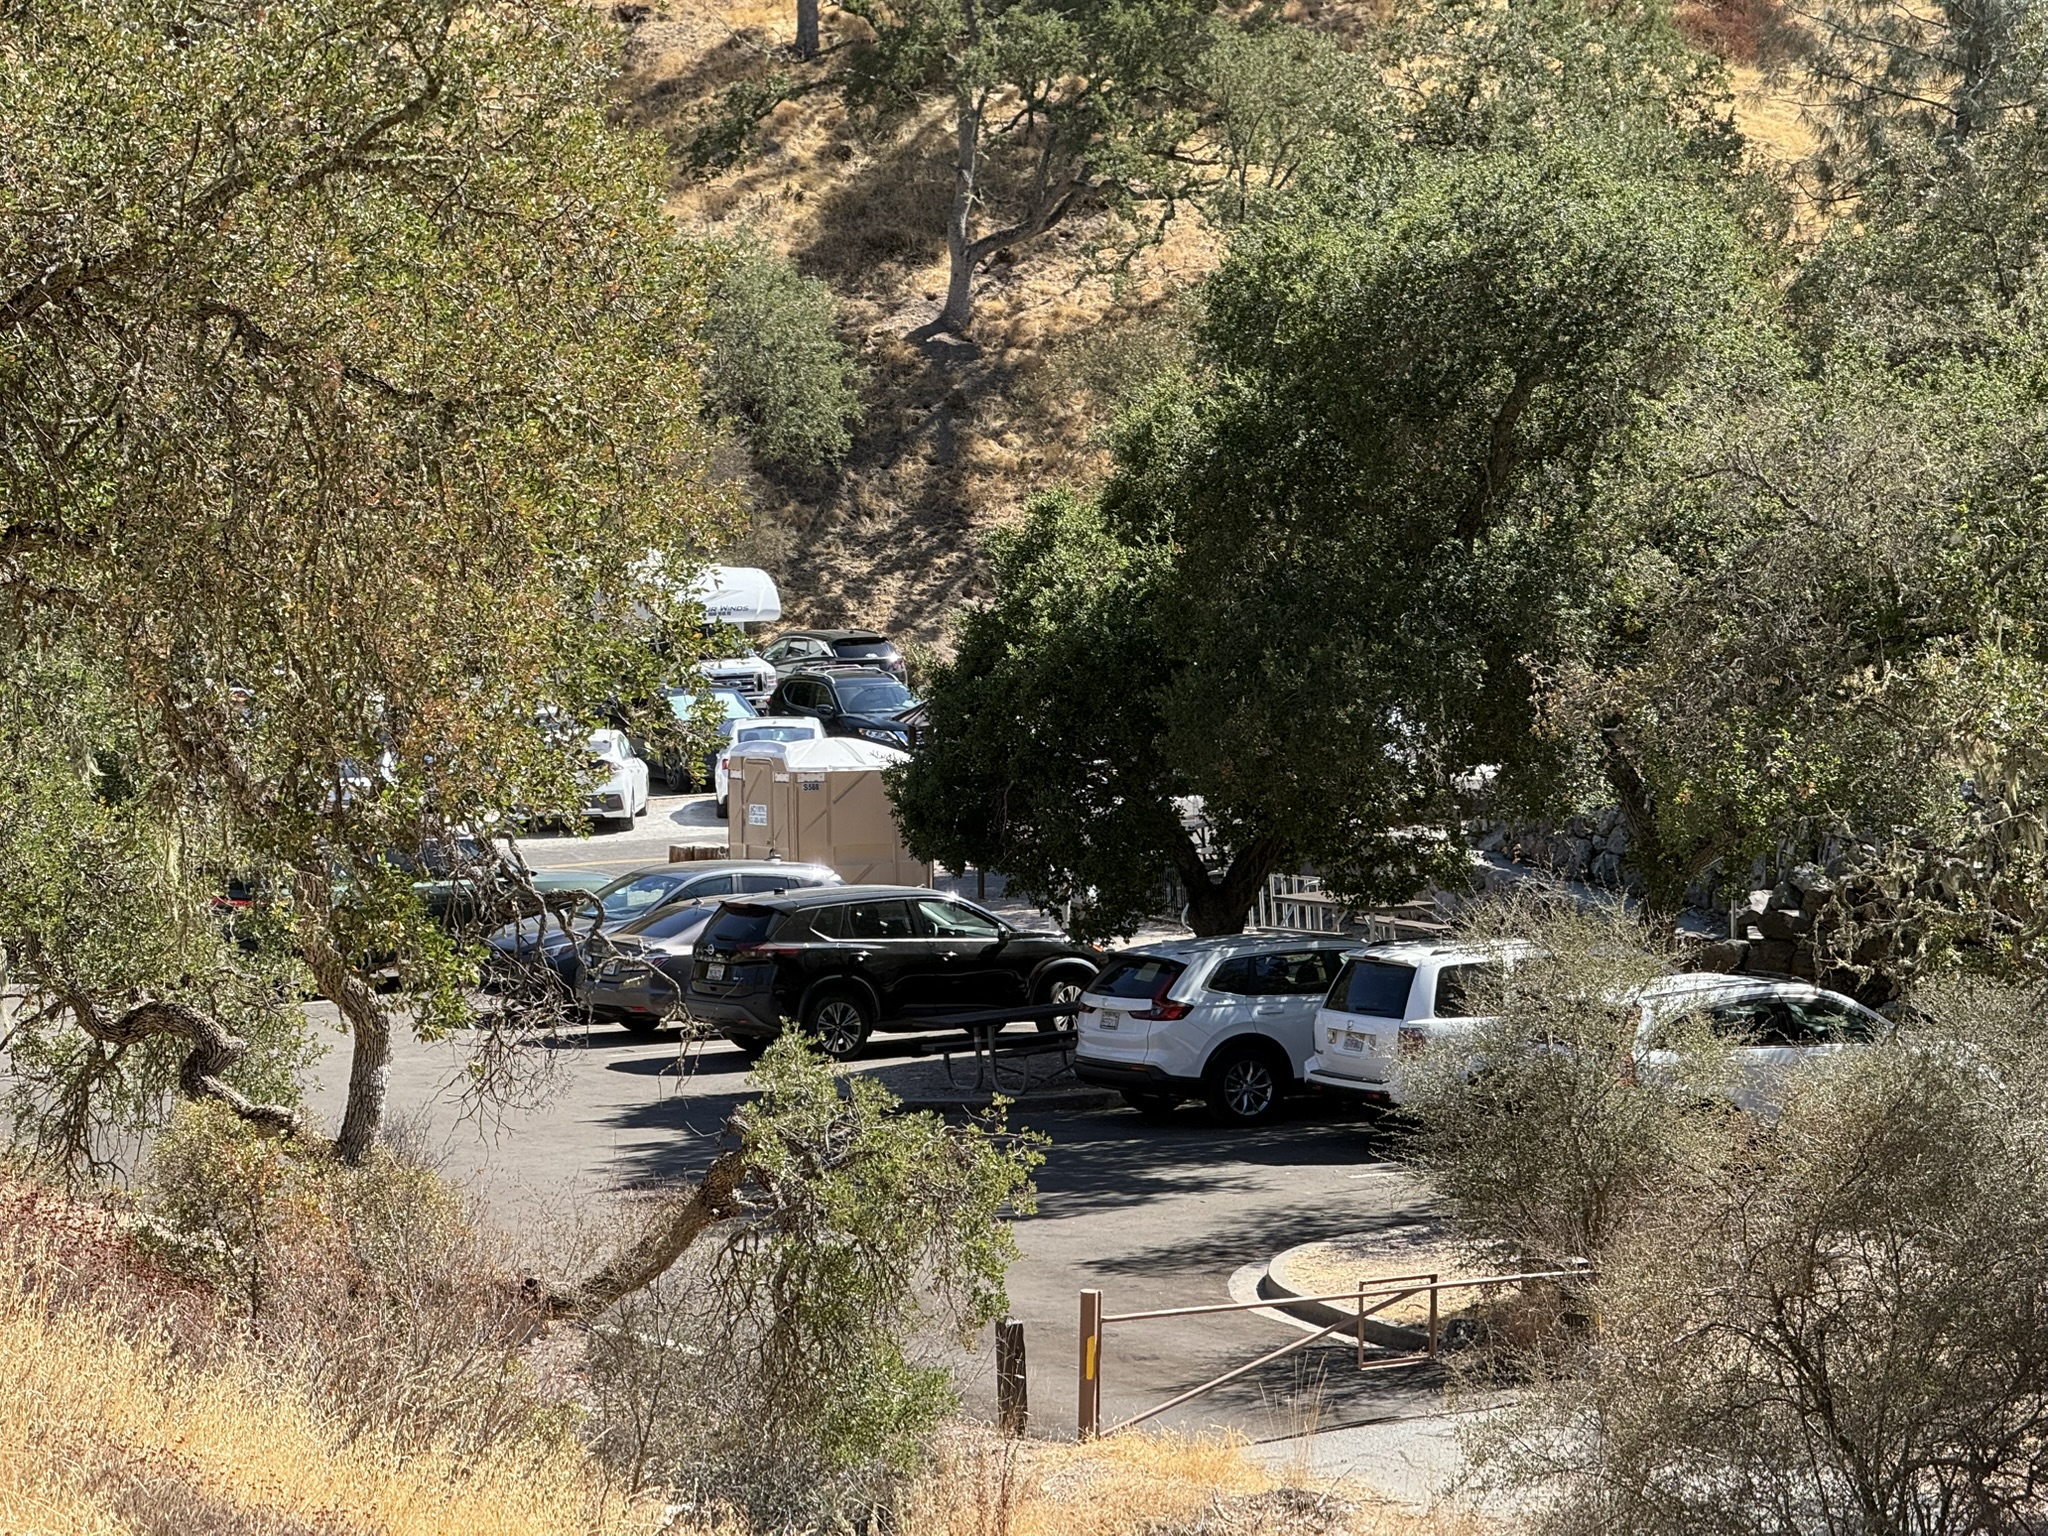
{"type": "Point", "coordinates": [956, 437]}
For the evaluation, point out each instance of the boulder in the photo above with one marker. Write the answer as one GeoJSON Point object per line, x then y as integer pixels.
{"type": "Point", "coordinates": [1783, 923]}
{"type": "Point", "coordinates": [1772, 955]}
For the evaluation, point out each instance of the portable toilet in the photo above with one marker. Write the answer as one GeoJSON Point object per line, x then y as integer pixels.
{"type": "Point", "coordinates": [820, 801]}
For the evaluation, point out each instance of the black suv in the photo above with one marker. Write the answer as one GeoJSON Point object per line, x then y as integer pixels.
{"type": "Point", "coordinates": [844, 962]}
{"type": "Point", "coordinates": [852, 701]}
{"type": "Point", "coordinates": [807, 647]}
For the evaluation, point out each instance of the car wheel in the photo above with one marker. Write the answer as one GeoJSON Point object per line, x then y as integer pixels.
{"type": "Point", "coordinates": [1060, 989]}
{"type": "Point", "coordinates": [724, 809]}
{"type": "Point", "coordinates": [839, 1022]}
{"type": "Point", "coordinates": [640, 1023]}
{"type": "Point", "coordinates": [1244, 1086]}
{"type": "Point", "coordinates": [1151, 1106]}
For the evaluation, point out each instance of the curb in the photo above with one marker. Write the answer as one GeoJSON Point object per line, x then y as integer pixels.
{"type": "Point", "coordinates": [1289, 1298]}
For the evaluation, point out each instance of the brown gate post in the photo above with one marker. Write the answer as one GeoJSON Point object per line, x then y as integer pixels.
{"type": "Point", "coordinates": [1013, 1386]}
{"type": "Point", "coordinates": [1089, 1414]}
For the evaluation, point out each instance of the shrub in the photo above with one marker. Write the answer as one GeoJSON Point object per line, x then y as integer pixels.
{"type": "Point", "coordinates": [1834, 1326]}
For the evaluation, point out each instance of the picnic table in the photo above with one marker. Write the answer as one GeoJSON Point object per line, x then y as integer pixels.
{"type": "Point", "coordinates": [991, 1050]}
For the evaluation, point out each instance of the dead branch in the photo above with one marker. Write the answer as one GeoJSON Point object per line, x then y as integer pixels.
{"type": "Point", "coordinates": [681, 1221]}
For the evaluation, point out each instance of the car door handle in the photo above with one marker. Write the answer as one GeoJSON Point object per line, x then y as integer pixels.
{"type": "Point", "coordinates": [1269, 1011]}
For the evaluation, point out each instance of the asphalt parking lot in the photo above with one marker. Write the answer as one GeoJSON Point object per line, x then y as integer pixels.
{"type": "Point", "coordinates": [1152, 1215]}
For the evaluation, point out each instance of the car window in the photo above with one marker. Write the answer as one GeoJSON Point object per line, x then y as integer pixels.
{"type": "Point", "coordinates": [1136, 976]}
{"type": "Point", "coordinates": [802, 693]}
{"type": "Point", "coordinates": [859, 648]}
{"type": "Point", "coordinates": [949, 920]}
{"type": "Point", "coordinates": [878, 920]}
{"type": "Point", "coordinates": [828, 922]}
{"type": "Point", "coordinates": [671, 921]}
{"type": "Point", "coordinates": [1759, 1021]}
{"type": "Point", "coordinates": [1829, 1021]}
{"type": "Point", "coordinates": [708, 885]}
{"type": "Point", "coordinates": [1375, 987]}
{"type": "Point", "coordinates": [737, 925]}
{"type": "Point", "coordinates": [776, 733]}
{"type": "Point", "coordinates": [873, 695]}
{"type": "Point", "coordinates": [637, 893]}
{"type": "Point", "coordinates": [1462, 989]}
{"type": "Point", "coordinates": [779, 651]}
{"type": "Point", "coordinates": [1298, 973]}
{"type": "Point", "coordinates": [759, 884]}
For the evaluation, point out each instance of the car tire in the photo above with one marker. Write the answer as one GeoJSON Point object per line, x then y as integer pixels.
{"type": "Point", "coordinates": [1245, 1084]}
{"type": "Point", "coordinates": [839, 1021]}
{"type": "Point", "coordinates": [724, 809]}
{"type": "Point", "coordinates": [640, 1023]}
{"type": "Point", "coordinates": [1060, 987]}
{"type": "Point", "coordinates": [1150, 1106]}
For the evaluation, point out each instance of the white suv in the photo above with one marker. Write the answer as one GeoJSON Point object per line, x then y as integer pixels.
{"type": "Point", "coordinates": [1226, 1020]}
{"type": "Point", "coordinates": [1396, 999]}
{"type": "Point", "coordinates": [1393, 1000]}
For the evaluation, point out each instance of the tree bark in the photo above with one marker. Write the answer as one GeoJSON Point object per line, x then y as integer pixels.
{"type": "Point", "coordinates": [1222, 904]}
{"type": "Point", "coordinates": [807, 29]}
{"type": "Point", "coordinates": [680, 1223]}
{"type": "Point", "coordinates": [958, 314]}
{"type": "Point", "coordinates": [368, 1020]}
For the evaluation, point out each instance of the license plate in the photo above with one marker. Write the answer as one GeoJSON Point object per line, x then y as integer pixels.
{"type": "Point", "coordinates": [1355, 1042]}
{"type": "Point", "coordinates": [715, 971]}
{"type": "Point", "coordinates": [1111, 1020]}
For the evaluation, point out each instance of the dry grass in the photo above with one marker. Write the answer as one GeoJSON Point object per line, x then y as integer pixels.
{"type": "Point", "coordinates": [104, 1429]}
{"type": "Point", "coordinates": [1147, 1485]}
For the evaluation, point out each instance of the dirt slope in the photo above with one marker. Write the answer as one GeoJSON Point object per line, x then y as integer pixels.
{"type": "Point", "coordinates": [956, 437]}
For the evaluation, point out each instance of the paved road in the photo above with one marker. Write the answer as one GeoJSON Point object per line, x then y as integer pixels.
{"type": "Point", "coordinates": [1152, 1215]}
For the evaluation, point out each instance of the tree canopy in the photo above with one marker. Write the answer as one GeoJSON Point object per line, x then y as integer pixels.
{"type": "Point", "coordinates": [350, 459]}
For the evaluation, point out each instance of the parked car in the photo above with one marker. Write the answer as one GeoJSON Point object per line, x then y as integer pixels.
{"type": "Point", "coordinates": [449, 890]}
{"type": "Point", "coordinates": [1392, 1000]}
{"type": "Point", "coordinates": [845, 963]}
{"type": "Point", "coordinates": [1771, 1026]}
{"type": "Point", "coordinates": [761, 728]}
{"type": "Point", "coordinates": [805, 647]}
{"type": "Point", "coordinates": [848, 701]}
{"type": "Point", "coordinates": [619, 794]}
{"type": "Point", "coordinates": [553, 944]}
{"type": "Point", "coordinates": [1229, 1021]}
{"type": "Point", "coordinates": [637, 974]}
{"type": "Point", "coordinates": [680, 771]}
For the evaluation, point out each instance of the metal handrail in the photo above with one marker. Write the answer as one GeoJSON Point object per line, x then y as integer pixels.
{"type": "Point", "coordinates": [1388, 1288]}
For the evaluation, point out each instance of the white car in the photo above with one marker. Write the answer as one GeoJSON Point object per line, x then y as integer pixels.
{"type": "Point", "coordinates": [1771, 1028]}
{"type": "Point", "coordinates": [759, 728]}
{"type": "Point", "coordinates": [619, 793]}
{"type": "Point", "coordinates": [1395, 1000]}
{"type": "Point", "coordinates": [1392, 1000]}
{"type": "Point", "coordinates": [1227, 1020]}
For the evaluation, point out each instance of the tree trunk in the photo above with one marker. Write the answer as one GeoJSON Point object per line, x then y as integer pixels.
{"type": "Point", "coordinates": [958, 314]}
{"type": "Point", "coordinates": [368, 1021]}
{"type": "Point", "coordinates": [807, 29]}
{"type": "Point", "coordinates": [1221, 904]}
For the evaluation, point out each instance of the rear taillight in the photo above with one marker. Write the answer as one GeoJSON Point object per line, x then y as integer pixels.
{"type": "Point", "coordinates": [1412, 1040]}
{"type": "Point", "coordinates": [1162, 1008]}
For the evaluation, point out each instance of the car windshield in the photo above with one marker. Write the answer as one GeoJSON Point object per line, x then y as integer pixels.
{"type": "Point", "coordinates": [1136, 976]}
{"type": "Point", "coordinates": [1378, 988]}
{"type": "Point", "coordinates": [858, 648]}
{"type": "Point", "coordinates": [632, 895]}
{"type": "Point", "coordinates": [672, 921]}
{"type": "Point", "coordinates": [775, 733]}
{"type": "Point", "coordinates": [725, 704]}
{"type": "Point", "coordinates": [873, 695]}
